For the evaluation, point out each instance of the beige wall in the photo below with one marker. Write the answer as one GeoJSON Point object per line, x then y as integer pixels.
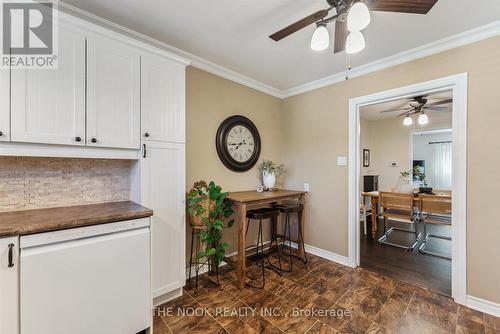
{"type": "Point", "coordinates": [210, 100]}
{"type": "Point", "coordinates": [315, 131]}
{"type": "Point", "coordinates": [389, 141]}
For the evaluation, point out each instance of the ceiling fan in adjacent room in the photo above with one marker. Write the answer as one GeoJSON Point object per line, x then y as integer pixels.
{"type": "Point", "coordinates": [418, 106]}
{"type": "Point", "coordinates": [351, 17]}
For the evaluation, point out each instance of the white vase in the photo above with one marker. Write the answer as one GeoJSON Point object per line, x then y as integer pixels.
{"type": "Point", "coordinates": [269, 179]}
{"type": "Point", "coordinates": [404, 185]}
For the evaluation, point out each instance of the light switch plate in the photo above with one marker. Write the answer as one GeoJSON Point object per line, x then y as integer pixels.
{"type": "Point", "coordinates": [341, 161]}
{"type": "Point", "coordinates": [306, 186]}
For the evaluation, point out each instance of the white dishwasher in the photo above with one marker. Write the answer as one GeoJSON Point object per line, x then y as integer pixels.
{"type": "Point", "coordinates": [86, 280]}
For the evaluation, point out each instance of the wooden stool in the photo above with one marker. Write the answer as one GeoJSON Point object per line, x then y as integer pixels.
{"type": "Point", "coordinates": [195, 238]}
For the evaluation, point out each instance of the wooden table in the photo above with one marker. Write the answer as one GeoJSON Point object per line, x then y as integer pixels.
{"type": "Point", "coordinates": [374, 195]}
{"type": "Point", "coordinates": [241, 200]}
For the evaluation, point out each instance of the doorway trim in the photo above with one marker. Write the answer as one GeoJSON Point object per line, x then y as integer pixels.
{"type": "Point", "coordinates": [458, 85]}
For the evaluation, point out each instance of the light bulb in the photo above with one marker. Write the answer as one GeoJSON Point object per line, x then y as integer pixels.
{"type": "Point", "coordinates": [358, 17]}
{"type": "Point", "coordinates": [408, 121]}
{"type": "Point", "coordinates": [355, 42]}
{"type": "Point", "coordinates": [423, 119]}
{"type": "Point", "coordinates": [320, 39]}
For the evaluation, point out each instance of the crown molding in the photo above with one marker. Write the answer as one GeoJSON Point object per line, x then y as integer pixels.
{"type": "Point", "coordinates": [464, 38]}
{"type": "Point", "coordinates": [451, 42]}
{"type": "Point", "coordinates": [194, 60]}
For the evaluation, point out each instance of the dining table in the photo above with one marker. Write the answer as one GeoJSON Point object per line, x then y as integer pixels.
{"type": "Point", "coordinates": [241, 201]}
{"type": "Point", "coordinates": [375, 196]}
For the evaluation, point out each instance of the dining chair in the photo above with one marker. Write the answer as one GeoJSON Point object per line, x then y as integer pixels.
{"type": "Point", "coordinates": [435, 210]}
{"type": "Point", "coordinates": [365, 209]}
{"type": "Point", "coordinates": [398, 207]}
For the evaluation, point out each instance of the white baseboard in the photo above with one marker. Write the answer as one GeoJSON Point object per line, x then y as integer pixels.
{"type": "Point", "coordinates": [157, 301]}
{"type": "Point", "coordinates": [343, 260]}
{"type": "Point", "coordinates": [483, 305]}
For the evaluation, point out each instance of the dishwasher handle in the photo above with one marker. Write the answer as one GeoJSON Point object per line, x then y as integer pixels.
{"type": "Point", "coordinates": [11, 255]}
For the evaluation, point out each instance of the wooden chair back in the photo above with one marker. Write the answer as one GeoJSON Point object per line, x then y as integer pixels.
{"type": "Point", "coordinates": [396, 201]}
{"type": "Point", "coordinates": [438, 205]}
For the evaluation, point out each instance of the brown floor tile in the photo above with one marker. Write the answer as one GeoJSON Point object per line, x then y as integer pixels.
{"type": "Point", "coordinates": [337, 316]}
{"type": "Point", "coordinates": [297, 295]}
{"type": "Point", "coordinates": [321, 328]}
{"type": "Point", "coordinates": [160, 327]}
{"type": "Point", "coordinates": [377, 329]}
{"type": "Point", "coordinates": [237, 326]}
{"type": "Point", "coordinates": [437, 299]}
{"type": "Point", "coordinates": [351, 300]}
{"type": "Point", "coordinates": [468, 313]}
{"type": "Point", "coordinates": [391, 314]}
{"type": "Point", "coordinates": [259, 299]}
{"type": "Point", "coordinates": [435, 314]}
{"type": "Point", "coordinates": [491, 321]}
{"type": "Point", "coordinates": [225, 316]}
{"type": "Point", "coordinates": [466, 326]}
{"type": "Point", "coordinates": [349, 328]}
{"type": "Point", "coordinates": [207, 326]}
{"type": "Point", "coordinates": [261, 325]}
{"type": "Point", "coordinates": [308, 280]}
{"type": "Point", "coordinates": [411, 325]}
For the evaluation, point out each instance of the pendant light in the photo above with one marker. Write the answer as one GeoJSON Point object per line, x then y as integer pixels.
{"type": "Point", "coordinates": [423, 119]}
{"type": "Point", "coordinates": [408, 121]}
{"type": "Point", "coordinates": [320, 39]}
{"type": "Point", "coordinates": [358, 17]}
{"type": "Point", "coordinates": [355, 42]}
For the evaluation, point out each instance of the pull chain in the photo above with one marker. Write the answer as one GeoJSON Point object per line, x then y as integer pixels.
{"type": "Point", "coordinates": [348, 65]}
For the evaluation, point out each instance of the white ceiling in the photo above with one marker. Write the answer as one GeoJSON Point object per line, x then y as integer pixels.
{"type": "Point", "coordinates": [377, 112]}
{"type": "Point", "coordinates": [234, 33]}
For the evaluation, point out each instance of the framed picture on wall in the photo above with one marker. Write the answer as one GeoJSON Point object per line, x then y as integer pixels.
{"type": "Point", "coordinates": [366, 158]}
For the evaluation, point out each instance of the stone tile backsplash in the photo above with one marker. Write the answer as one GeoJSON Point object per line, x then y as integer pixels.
{"type": "Point", "coordinates": [32, 183]}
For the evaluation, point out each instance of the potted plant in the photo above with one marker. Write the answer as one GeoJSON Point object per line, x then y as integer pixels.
{"type": "Point", "coordinates": [207, 204]}
{"type": "Point", "coordinates": [420, 176]}
{"type": "Point", "coordinates": [270, 171]}
{"type": "Point", "coordinates": [404, 182]}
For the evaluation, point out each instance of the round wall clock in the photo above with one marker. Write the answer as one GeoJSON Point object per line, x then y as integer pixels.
{"type": "Point", "coordinates": [238, 143]}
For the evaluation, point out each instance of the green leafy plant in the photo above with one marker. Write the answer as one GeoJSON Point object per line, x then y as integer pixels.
{"type": "Point", "coordinates": [405, 173]}
{"type": "Point", "coordinates": [213, 216]}
{"type": "Point", "coordinates": [420, 175]}
{"type": "Point", "coordinates": [271, 168]}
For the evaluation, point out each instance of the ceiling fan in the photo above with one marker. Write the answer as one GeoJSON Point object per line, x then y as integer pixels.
{"type": "Point", "coordinates": [418, 105]}
{"type": "Point", "coordinates": [350, 16]}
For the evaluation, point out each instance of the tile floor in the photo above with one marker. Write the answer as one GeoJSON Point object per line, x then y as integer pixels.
{"type": "Point", "coordinates": [320, 297]}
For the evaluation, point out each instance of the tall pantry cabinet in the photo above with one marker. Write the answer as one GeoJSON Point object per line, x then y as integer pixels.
{"type": "Point", "coordinates": [162, 168]}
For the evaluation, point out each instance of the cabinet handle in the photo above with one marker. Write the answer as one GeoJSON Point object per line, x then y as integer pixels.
{"type": "Point", "coordinates": [146, 134]}
{"type": "Point", "coordinates": [94, 140]}
{"type": "Point", "coordinates": [11, 255]}
{"type": "Point", "coordinates": [1, 133]}
{"type": "Point", "coordinates": [78, 139]}
{"type": "Point", "coordinates": [143, 150]}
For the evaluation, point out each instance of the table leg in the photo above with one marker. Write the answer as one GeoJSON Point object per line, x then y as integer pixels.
{"type": "Point", "coordinates": [374, 201]}
{"type": "Point", "coordinates": [241, 213]}
{"type": "Point", "coordinates": [301, 223]}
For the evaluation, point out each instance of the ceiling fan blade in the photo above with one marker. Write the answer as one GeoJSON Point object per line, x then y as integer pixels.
{"type": "Point", "coordinates": [394, 110]}
{"type": "Point", "coordinates": [436, 108]}
{"type": "Point", "coordinates": [406, 113]}
{"type": "Point", "coordinates": [299, 25]}
{"type": "Point", "coordinates": [439, 103]}
{"type": "Point", "coordinates": [340, 35]}
{"type": "Point", "coordinates": [402, 6]}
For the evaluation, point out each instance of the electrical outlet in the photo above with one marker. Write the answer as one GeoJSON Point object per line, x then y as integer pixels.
{"type": "Point", "coordinates": [306, 186]}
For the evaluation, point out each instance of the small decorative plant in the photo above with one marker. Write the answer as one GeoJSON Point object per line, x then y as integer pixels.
{"type": "Point", "coordinates": [270, 171]}
{"type": "Point", "coordinates": [420, 175]}
{"type": "Point", "coordinates": [208, 203]}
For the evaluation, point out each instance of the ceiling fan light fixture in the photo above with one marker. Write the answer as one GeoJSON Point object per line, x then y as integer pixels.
{"type": "Point", "coordinates": [358, 17]}
{"type": "Point", "coordinates": [408, 121]}
{"type": "Point", "coordinates": [355, 42]}
{"type": "Point", "coordinates": [321, 38]}
{"type": "Point", "coordinates": [423, 119]}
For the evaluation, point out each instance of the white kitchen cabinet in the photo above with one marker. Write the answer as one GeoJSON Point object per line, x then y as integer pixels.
{"type": "Point", "coordinates": [163, 99]}
{"type": "Point", "coordinates": [48, 105]}
{"type": "Point", "coordinates": [4, 104]}
{"type": "Point", "coordinates": [113, 94]}
{"type": "Point", "coordinates": [163, 191]}
{"type": "Point", "coordinates": [9, 285]}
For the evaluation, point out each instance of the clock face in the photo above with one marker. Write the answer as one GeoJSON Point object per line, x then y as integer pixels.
{"type": "Point", "coordinates": [238, 143]}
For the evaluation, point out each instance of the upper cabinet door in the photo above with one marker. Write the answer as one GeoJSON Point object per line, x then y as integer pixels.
{"type": "Point", "coordinates": [163, 99]}
{"type": "Point", "coordinates": [48, 106]}
{"type": "Point", "coordinates": [113, 94]}
{"type": "Point", "coordinates": [4, 105]}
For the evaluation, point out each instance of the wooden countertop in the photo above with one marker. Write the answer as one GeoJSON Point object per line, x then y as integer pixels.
{"type": "Point", "coordinates": [52, 219]}
{"type": "Point", "coordinates": [254, 196]}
